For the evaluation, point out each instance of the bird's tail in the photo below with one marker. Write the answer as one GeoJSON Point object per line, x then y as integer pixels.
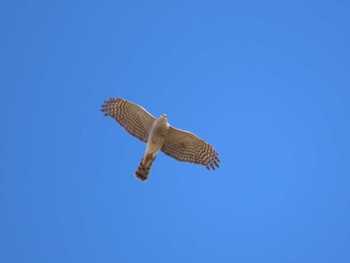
{"type": "Point", "coordinates": [144, 167]}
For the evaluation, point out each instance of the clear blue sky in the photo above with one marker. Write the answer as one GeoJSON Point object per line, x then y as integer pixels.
{"type": "Point", "coordinates": [266, 82]}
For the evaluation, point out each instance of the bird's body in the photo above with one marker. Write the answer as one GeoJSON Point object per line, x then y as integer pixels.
{"type": "Point", "coordinates": [159, 136]}
{"type": "Point", "coordinates": [155, 143]}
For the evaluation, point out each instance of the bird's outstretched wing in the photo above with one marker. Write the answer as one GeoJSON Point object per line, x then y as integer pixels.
{"type": "Point", "coordinates": [187, 147]}
{"type": "Point", "coordinates": [135, 119]}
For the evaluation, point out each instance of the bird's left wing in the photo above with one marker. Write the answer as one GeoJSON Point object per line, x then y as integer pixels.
{"type": "Point", "coordinates": [186, 147]}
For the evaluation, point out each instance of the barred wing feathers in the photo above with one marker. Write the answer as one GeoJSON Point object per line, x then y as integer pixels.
{"type": "Point", "coordinates": [135, 119]}
{"type": "Point", "coordinates": [186, 147]}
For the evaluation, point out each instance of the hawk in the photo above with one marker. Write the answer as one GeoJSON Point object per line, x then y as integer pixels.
{"type": "Point", "coordinates": [159, 135]}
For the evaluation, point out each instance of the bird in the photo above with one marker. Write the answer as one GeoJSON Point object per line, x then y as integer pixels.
{"type": "Point", "coordinates": [159, 135]}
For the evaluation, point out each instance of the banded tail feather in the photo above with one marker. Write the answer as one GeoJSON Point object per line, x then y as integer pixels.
{"type": "Point", "coordinates": [144, 167]}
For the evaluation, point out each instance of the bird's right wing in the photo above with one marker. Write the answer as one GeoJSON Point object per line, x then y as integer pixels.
{"type": "Point", "coordinates": [135, 119]}
{"type": "Point", "coordinates": [186, 147]}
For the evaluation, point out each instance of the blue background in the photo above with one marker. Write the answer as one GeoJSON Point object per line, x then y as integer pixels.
{"type": "Point", "coordinates": [266, 82]}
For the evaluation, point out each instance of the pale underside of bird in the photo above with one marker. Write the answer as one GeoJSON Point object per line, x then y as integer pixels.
{"type": "Point", "coordinates": [159, 135]}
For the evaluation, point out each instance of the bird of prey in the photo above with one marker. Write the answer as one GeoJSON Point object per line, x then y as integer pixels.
{"type": "Point", "coordinates": [159, 135]}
